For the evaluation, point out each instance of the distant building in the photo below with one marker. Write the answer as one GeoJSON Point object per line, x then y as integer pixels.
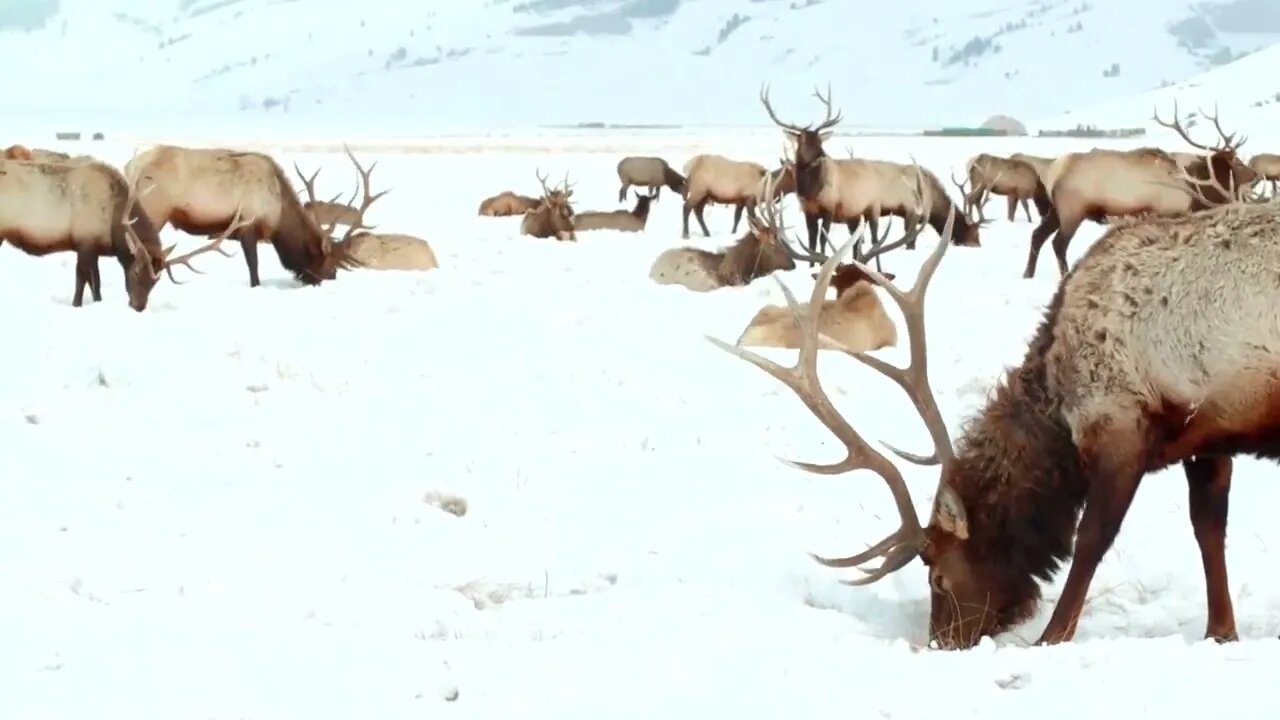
{"type": "Point", "coordinates": [1006, 124]}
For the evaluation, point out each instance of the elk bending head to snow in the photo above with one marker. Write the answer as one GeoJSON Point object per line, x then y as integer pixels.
{"type": "Point", "coordinates": [652, 173]}
{"type": "Point", "coordinates": [198, 191]}
{"type": "Point", "coordinates": [507, 203]}
{"type": "Point", "coordinates": [1098, 184]}
{"type": "Point", "coordinates": [553, 217]}
{"type": "Point", "coordinates": [718, 179]}
{"type": "Point", "coordinates": [1017, 180]}
{"type": "Point", "coordinates": [632, 220]}
{"type": "Point", "coordinates": [1145, 358]}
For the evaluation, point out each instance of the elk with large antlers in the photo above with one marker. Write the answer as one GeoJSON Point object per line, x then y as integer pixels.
{"type": "Point", "coordinates": [832, 190]}
{"type": "Point", "coordinates": [721, 180]}
{"type": "Point", "coordinates": [197, 190]}
{"type": "Point", "coordinates": [553, 217]}
{"type": "Point", "coordinates": [1098, 184]}
{"type": "Point", "coordinates": [1144, 359]}
{"type": "Point", "coordinates": [88, 209]}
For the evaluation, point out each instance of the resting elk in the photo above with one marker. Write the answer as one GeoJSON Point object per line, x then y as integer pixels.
{"type": "Point", "coordinates": [1267, 166]}
{"type": "Point", "coordinates": [632, 220]}
{"type": "Point", "coordinates": [763, 250]}
{"type": "Point", "coordinates": [553, 217]}
{"type": "Point", "coordinates": [22, 152]}
{"type": "Point", "coordinates": [718, 179]}
{"type": "Point", "coordinates": [1015, 180]}
{"type": "Point", "coordinates": [324, 212]}
{"type": "Point", "coordinates": [1145, 358]}
{"type": "Point", "coordinates": [1098, 184]}
{"type": "Point", "coordinates": [507, 203]}
{"type": "Point", "coordinates": [652, 173]}
{"type": "Point", "coordinates": [197, 190]}
{"type": "Point", "coordinates": [848, 190]}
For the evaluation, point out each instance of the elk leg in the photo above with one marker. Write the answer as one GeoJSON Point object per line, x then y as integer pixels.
{"type": "Point", "coordinates": [1049, 224]}
{"type": "Point", "coordinates": [737, 216]}
{"type": "Point", "coordinates": [824, 235]}
{"type": "Point", "coordinates": [685, 212]}
{"type": "Point", "coordinates": [1026, 208]}
{"type": "Point", "coordinates": [1114, 472]}
{"type": "Point", "coordinates": [83, 274]}
{"type": "Point", "coordinates": [249, 243]}
{"type": "Point", "coordinates": [622, 194]}
{"type": "Point", "coordinates": [1012, 200]}
{"type": "Point", "coordinates": [811, 228]}
{"type": "Point", "coordinates": [1062, 240]}
{"type": "Point", "coordinates": [95, 280]}
{"type": "Point", "coordinates": [1209, 483]}
{"type": "Point", "coordinates": [697, 213]}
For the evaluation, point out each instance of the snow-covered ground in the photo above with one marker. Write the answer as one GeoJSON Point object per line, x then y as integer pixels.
{"type": "Point", "coordinates": [229, 506]}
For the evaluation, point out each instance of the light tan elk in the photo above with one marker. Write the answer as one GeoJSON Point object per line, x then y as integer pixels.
{"type": "Point", "coordinates": [718, 179]}
{"type": "Point", "coordinates": [1267, 166]}
{"type": "Point", "coordinates": [1015, 180]}
{"type": "Point", "coordinates": [391, 251]}
{"type": "Point", "coordinates": [1155, 350]}
{"type": "Point", "coordinates": [1040, 163]}
{"type": "Point", "coordinates": [652, 173]}
{"type": "Point", "coordinates": [760, 252]}
{"type": "Point", "coordinates": [88, 209]}
{"type": "Point", "coordinates": [22, 152]}
{"type": "Point", "coordinates": [553, 218]}
{"type": "Point", "coordinates": [507, 203]}
{"type": "Point", "coordinates": [197, 190]}
{"type": "Point", "coordinates": [832, 190]}
{"type": "Point", "coordinates": [1099, 184]}
{"type": "Point", "coordinates": [856, 319]}
{"type": "Point", "coordinates": [632, 220]}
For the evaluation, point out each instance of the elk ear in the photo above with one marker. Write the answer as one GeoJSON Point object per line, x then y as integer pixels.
{"type": "Point", "coordinates": [949, 514]}
{"type": "Point", "coordinates": [826, 135]}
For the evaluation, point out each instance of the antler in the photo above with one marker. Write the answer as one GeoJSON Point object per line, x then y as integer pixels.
{"type": "Point", "coordinates": [904, 544]}
{"type": "Point", "coordinates": [362, 186]}
{"type": "Point", "coordinates": [1229, 142]}
{"type": "Point", "coordinates": [214, 245]}
{"type": "Point", "coordinates": [309, 185]}
{"type": "Point", "coordinates": [827, 122]}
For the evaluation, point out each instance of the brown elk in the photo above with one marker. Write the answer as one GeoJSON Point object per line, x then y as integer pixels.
{"type": "Point", "coordinates": [760, 252]}
{"type": "Point", "coordinates": [1040, 163]}
{"type": "Point", "coordinates": [197, 190]}
{"type": "Point", "coordinates": [856, 319]}
{"type": "Point", "coordinates": [1015, 180]}
{"type": "Point", "coordinates": [507, 203]}
{"type": "Point", "coordinates": [718, 179]}
{"type": "Point", "coordinates": [832, 190]}
{"type": "Point", "coordinates": [87, 209]}
{"type": "Point", "coordinates": [1267, 166]}
{"type": "Point", "coordinates": [553, 217]}
{"type": "Point", "coordinates": [632, 220]}
{"type": "Point", "coordinates": [22, 152]}
{"type": "Point", "coordinates": [1098, 184]}
{"type": "Point", "coordinates": [652, 173]}
{"type": "Point", "coordinates": [1145, 358]}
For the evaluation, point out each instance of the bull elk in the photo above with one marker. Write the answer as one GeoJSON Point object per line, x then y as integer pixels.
{"type": "Point", "coordinates": [197, 190]}
{"type": "Point", "coordinates": [832, 190]}
{"type": "Point", "coordinates": [1144, 358]}
{"type": "Point", "coordinates": [856, 319]}
{"type": "Point", "coordinates": [652, 173]}
{"type": "Point", "coordinates": [1101, 184]}
{"type": "Point", "coordinates": [1267, 166]}
{"type": "Point", "coordinates": [718, 179]}
{"type": "Point", "coordinates": [1015, 180]}
{"type": "Point", "coordinates": [632, 220]}
{"type": "Point", "coordinates": [553, 217]}
{"type": "Point", "coordinates": [507, 203]}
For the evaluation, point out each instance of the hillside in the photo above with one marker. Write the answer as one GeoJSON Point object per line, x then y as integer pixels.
{"type": "Point", "coordinates": [514, 64]}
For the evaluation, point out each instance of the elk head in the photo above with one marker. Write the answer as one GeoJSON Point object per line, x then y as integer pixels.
{"type": "Point", "coordinates": [1223, 177]}
{"type": "Point", "coordinates": [808, 139]}
{"type": "Point", "coordinates": [556, 206]}
{"type": "Point", "coordinates": [847, 275]}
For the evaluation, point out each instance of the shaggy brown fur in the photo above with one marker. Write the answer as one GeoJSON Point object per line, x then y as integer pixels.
{"type": "Point", "coordinates": [507, 203]}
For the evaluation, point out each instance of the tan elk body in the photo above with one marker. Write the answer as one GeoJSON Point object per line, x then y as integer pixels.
{"type": "Point", "coordinates": [632, 220]}
{"type": "Point", "coordinates": [553, 217]}
{"type": "Point", "coordinates": [1267, 166]}
{"type": "Point", "coordinates": [855, 318]}
{"type": "Point", "coordinates": [760, 252]}
{"type": "Point", "coordinates": [1013, 179]}
{"type": "Point", "coordinates": [651, 173]}
{"type": "Point", "coordinates": [391, 251]}
{"type": "Point", "coordinates": [507, 203]}
{"type": "Point", "coordinates": [718, 179]}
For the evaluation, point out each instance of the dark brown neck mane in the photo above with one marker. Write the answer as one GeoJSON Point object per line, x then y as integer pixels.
{"type": "Point", "coordinates": [942, 209]}
{"type": "Point", "coordinates": [1018, 472]}
{"type": "Point", "coordinates": [298, 239]}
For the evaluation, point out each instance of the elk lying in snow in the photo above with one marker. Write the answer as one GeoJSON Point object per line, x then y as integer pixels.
{"type": "Point", "coordinates": [632, 220]}
{"type": "Point", "coordinates": [1267, 166]}
{"type": "Point", "coordinates": [1098, 184]}
{"type": "Point", "coordinates": [652, 173]}
{"type": "Point", "coordinates": [325, 212]}
{"type": "Point", "coordinates": [760, 252]}
{"type": "Point", "coordinates": [507, 203]}
{"type": "Point", "coordinates": [1145, 358]}
{"type": "Point", "coordinates": [553, 217]}
{"type": "Point", "coordinates": [718, 179]}
{"type": "Point", "coordinates": [832, 190]}
{"type": "Point", "coordinates": [87, 209]}
{"type": "Point", "coordinates": [855, 319]}
{"type": "Point", "coordinates": [197, 190]}
{"type": "Point", "coordinates": [1015, 180]}
{"type": "Point", "coordinates": [391, 251]}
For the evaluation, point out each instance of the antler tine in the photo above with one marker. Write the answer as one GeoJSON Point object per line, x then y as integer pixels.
{"type": "Point", "coordinates": [900, 546]}
{"type": "Point", "coordinates": [768, 106]}
{"type": "Point", "coordinates": [542, 180]}
{"type": "Point", "coordinates": [1229, 142]}
{"type": "Point", "coordinates": [1177, 127]}
{"type": "Point", "coordinates": [215, 245]}
{"type": "Point", "coordinates": [368, 198]}
{"type": "Point", "coordinates": [830, 120]}
{"type": "Point", "coordinates": [308, 183]}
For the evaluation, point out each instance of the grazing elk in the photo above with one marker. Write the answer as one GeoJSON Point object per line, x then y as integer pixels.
{"type": "Point", "coordinates": [832, 190]}
{"type": "Point", "coordinates": [652, 173]}
{"type": "Point", "coordinates": [1145, 358]}
{"type": "Point", "coordinates": [856, 319]}
{"type": "Point", "coordinates": [718, 179]}
{"type": "Point", "coordinates": [1267, 166]}
{"type": "Point", "coordinates": [507, 203]}
{"type": "Point", "coordinates": [88, 209]}
{"type": "Point", "coordinates": [1015, 180]}
{"type": "Point", "coordinates": [632, 220]}
{"type": "Point", "coordinates": [197, 190]}
{"type": "Point", "coordinates": [763, 250]}
{"type": "Point", "coordinates": [553, 217]}
{"type": "Point", "coordinates": [1099, 184]}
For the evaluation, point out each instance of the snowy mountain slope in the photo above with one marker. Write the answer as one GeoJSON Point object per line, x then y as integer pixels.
{"type": "Point", "coordinates": [503, 64]}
